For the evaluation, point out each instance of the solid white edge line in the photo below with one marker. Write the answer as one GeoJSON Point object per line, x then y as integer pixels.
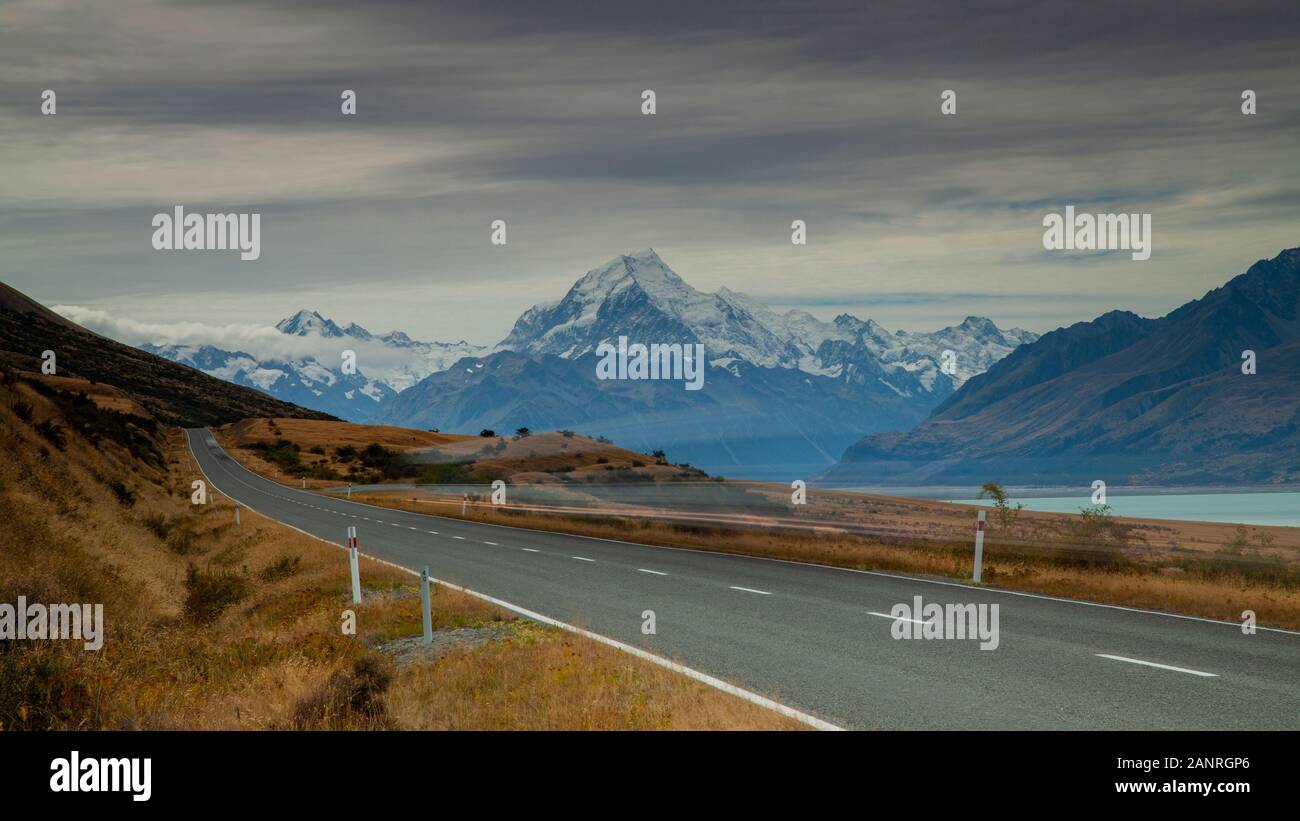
{"type": "Point", "coordinates": [1002, 590]}
{"type": "Point", "coordinates": [703, 678]}
{"type": "Point", "coordinates": [1161, 666]}
{"type": "Point", "coordinates": [750, 590]}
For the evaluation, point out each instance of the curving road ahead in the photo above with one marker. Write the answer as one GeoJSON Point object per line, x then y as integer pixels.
{"type": "Point", "coordinates": [814, 638]}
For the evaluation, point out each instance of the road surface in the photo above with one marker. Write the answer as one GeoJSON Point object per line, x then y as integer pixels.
{"type": "Point", "coordinates": [818, 639]}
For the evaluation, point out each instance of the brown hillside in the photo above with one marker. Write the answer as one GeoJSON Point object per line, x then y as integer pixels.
{"type": "Point", "coordinates": [172, 393]}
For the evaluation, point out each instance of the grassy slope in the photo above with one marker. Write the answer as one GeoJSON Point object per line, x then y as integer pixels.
{"type": "Point", "coordinates": [545, 457]}
{"type": "Point", "coordinates": [174, 394]}
{"type": "Point", "coordinates": [213, 625]}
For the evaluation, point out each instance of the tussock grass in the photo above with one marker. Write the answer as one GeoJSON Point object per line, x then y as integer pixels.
{"type": "Point", "coordinates": [214, 626]}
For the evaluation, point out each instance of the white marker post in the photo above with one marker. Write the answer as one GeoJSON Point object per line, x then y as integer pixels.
{"type": "Point", "coordinates": [356, 565]}
{"type": "Point", "coordinates": [979, 546]}
{"type": "Point", "coordinates": [349, 490]}
{"type": "Point", "coordinates": [426, 605]}
{"type": "Point", "coordinates": [236, 512]}
{"type": "Point", "coordinates": [304, 483]}
{"type": "Point", "coordinates": [463, 502]}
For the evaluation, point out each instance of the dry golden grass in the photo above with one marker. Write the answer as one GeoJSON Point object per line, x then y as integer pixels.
{"type": "Point", "coordinates": [558, 684]}
{"type": "Point", "coordinates": [538, 458]}
{"type": "Point", "coordinates": [272, 654]}
{"type": "Point", "coordinates": [1200, 585]}
{"type": "Point", "coordinates": [310, 432]}
{"type": "Point", "coordinates": [103, 395]}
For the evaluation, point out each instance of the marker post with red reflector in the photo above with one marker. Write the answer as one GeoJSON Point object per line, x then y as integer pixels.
{"type": "Point", "coordinates": [426, 605]}
{"type": "Point", "coordinates": [979, 546]}
{"type": "Point", "coordinates": [356, 566]}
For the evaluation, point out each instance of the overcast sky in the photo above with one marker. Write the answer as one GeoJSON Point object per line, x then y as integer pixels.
{"type": "Point", "coordinates": [530, 112]}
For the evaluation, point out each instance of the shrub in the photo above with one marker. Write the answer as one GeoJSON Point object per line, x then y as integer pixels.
{"type": "Point", "coordinates": [41, 689]}
{"type": "Point", "coordinates": [182, 541]}
{"type": "Point", "coordinates": [124, 494]}
{"type": "Point", "coordinates": [346, 453]}
{"type": "Point", "coordinates": [53, 433]}
{"type": "Point", "coordinates": [348, 699]}
{"type": "Point", "coordinates": [23, 410]}
{"type": "Point", "coordinates": [487, 433]}
{"type": "Point", "coordinates": [210, 592]}
{"type": "Point", "coordinates": [281, 568]}
{"type": "Point", "coordinates": [283, 454]}
{"type": "Point", "coordinates": [157, 524]}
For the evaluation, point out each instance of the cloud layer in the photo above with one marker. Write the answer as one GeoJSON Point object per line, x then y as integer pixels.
{"type": "Point", "coordinates": [531, 113]}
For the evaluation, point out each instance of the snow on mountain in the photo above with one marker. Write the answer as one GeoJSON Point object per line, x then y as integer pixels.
{"type": "Point", "coordinates": [386, 365]}
{"type": "Point", "coordinates": [640, 297]}
{"type": "Point", "coordinates": [784, 391]}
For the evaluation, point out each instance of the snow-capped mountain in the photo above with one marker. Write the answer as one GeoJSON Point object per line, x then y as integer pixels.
{"type": "Point", "coordinates": [405, 361]}
{"type": "Point", "coordinates": [783, 391]}
{"type": "Point", "coordinates": [640, 297]}
{"type": "Point", "coordinates": [385, 365]}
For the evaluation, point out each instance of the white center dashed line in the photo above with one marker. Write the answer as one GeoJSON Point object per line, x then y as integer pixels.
{"type": "Point", "coordinates": [651, 572]}
{"type": "Point", "coordinates": [462, 538]}
{"type": "Point", "coordinates": [895, 618]}
{"type": "Point", "coordinates": [750, 590]}
{"type": "Point", "coordinates": [1161, 666]}
{"type": "Point", "coordinates": [433, 532]}
{"type": "Point", "coordinates": [530, 550]}
{"type": "Point", "coordinates": [494, 544]}
{"type": "Point", "coordinates": [582, 558]}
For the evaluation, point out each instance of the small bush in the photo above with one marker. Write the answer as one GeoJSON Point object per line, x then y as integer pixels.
{"type": "Point", "coordinates": [350, 699]}
{"type": "Point", "coordinates": [210, 592]}
{"type": "Point", "coordinates": [157, 524]}
{"type": "Point", "coordinates": [23, 410]}
{"type": "Point", "coordinates": [41, 689]}
{"type": "Point", "coordinates": [121, 492]}
{"type": "Point", "coordinates": [346, 453]}
{"type": "Point", "coordinates": [281, 568]}
{"type": "Point", "coordinates": [183, 541]}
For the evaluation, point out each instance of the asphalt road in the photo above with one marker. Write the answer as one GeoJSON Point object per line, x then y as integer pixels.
{"type": "Point", "coordinates": [806, 635]}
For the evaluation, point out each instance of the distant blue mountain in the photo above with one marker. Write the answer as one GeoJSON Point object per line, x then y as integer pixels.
{"type": "Point", "coordinates": [1122, 399]}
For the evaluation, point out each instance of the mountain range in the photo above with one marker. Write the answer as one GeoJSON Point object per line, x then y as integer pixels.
{"type": "Point", "coordinates": [784, 393]}
{"type": "Point", "coordinates": [1124, 399]}
{"type": "Point", "coordinates": [386, 365]}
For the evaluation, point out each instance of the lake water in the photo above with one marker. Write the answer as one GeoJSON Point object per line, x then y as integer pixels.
{"type": "Point", "coordinates": [1265, 508]}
